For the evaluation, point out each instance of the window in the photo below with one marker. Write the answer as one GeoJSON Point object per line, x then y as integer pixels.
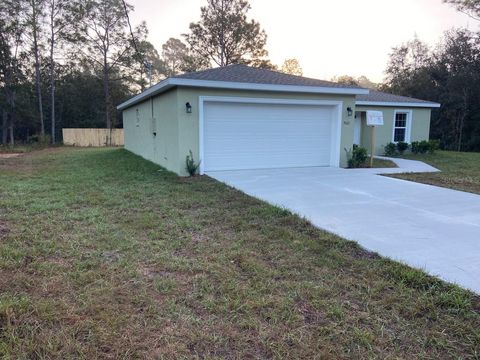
{"type": "Point", "coordinates": [400, 128]}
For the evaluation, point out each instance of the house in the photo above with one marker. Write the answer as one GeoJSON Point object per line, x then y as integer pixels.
{"type": "Point", "coordinates": [238, 117]}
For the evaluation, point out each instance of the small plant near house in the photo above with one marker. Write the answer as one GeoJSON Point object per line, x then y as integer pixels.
{"type": "Point", "coordinates": [390, 149]}
{"type": "Point", "coordinates": [434, 146]}
{"type": "Point", "coordinates": [357, 156]}
{"type": "Point", "coordinates": [402, 147]}
{"type": "Point", "coordinates": [415, 147]}
{"type": "Point", "coordinates": [422, 147]}
{"type": "Point", "coordinates": [191, 165]}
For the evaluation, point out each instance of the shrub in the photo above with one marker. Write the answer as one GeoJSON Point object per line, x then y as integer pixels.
{"type": "Point", "coordinates": [434, 146]}
{"type": "Point", "coordinates": [39, 140]}
{"type": "Point", "coordinates": [390, 149]}
{"type": "Point", "coordinates": [401, 147]}
{"type": "Point", "coordinates": [357, 156]}
{"type": "Point", "coordinates": [191, 165]}
{"type": "Point", "coordinates": [423, 146]}
{"type": "Point", "coordinates": [415, 147]}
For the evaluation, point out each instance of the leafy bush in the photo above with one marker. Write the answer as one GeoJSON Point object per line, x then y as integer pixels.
{"type": "Point", "coordinates": [390, 149]}
{"type": "Point", "coordinates": [191, 165]}
{"type": "Point", "coordinates": [40, 140]}
{"type": "Point", "coordinates": [424, 146]}
{"type": "Point", "coordinates": [415, 147]}
{"type": "Point", "coordinates": [357, 157]}
{"type": "Point", "coordinates": [401, 147]}
{"type": "Point", "coordinates": [434, 146]}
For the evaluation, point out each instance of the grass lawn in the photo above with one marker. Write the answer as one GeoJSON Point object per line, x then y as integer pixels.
{"type": "Point", "coordinates": [460, 170]}
{"type": "Point", "coordinates": [106, 255]}
{"type": "Point", "coordinates": [381, 163]}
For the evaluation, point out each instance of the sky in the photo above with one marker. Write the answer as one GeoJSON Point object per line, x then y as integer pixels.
{"type": "Point", "coordinates": [328, 37]}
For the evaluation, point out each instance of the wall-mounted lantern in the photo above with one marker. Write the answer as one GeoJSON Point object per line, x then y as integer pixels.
{"type": "Point", "coordinates": [188, 108]}
{"type": "Point", "coordinates": [349, 111]}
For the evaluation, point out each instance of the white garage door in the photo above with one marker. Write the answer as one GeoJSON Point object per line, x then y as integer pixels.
{"type": "Point", "coordinates": [258, 136]}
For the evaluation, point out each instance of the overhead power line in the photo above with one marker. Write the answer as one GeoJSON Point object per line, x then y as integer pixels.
{"type": "Point", "coordinates": [141, 59]}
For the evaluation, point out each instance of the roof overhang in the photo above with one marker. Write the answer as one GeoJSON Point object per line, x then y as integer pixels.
{"type": "Point", "coordinates": [172, 82]}
{"type": "Point", "coordinates": [398, 104]}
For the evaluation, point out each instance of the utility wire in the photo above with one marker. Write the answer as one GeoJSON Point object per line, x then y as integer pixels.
{"type": "Point", "coordinates": [141, 59]}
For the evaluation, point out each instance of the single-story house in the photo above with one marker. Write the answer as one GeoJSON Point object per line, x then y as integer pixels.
{"type": "Point", "coordinates": [239, 117]}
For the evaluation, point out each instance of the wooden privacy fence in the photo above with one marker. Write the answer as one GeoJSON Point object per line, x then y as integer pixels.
{"type": "Point", "coordinates": [93, 137]}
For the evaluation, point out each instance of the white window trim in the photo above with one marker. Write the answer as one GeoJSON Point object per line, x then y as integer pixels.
{"type": "Point", "coordinates": [336, 129]}
{"type": "Point", "coordinates": [408, 130]}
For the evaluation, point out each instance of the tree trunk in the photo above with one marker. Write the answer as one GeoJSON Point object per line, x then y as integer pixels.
{"type": "Point", "coordinates": [10, 128]}
{"type": "Point", "coordinates": [37, 66]}
{"type": "Point", "coordinates": [52, 75]}
{"type": "Point", "coordinates": [4, 126]}
{"type": "Point", "coordinates": [106, 91]}
{"type": "Point", "coordinates": [462, 121]}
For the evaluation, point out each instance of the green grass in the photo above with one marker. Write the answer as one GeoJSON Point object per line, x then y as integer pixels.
{"type": "Point", "coordinates": [381, 163]}
{"type": "Point", "coordinates": [106, 255]}
{"type": "Point", "coordinates": [459, 170]}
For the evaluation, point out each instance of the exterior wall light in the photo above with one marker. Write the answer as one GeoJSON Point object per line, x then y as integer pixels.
{"type": "Point", "coordinates": [349, 111]}
{"type": "Point", "coordinates": [188, 108]}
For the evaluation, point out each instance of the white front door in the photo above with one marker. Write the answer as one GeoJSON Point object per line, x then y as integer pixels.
{"type": "Point", "coordinates": [265, 135]}
{"type": "Point", "coordinates": [357, 131]}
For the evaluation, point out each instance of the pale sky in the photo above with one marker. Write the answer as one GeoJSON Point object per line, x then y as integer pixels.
{"type": "Point", "coordinates": [328, 37]}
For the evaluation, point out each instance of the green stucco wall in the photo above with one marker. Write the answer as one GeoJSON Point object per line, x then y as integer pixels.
{"type": "Point", "coordinates": [158, 115]}
{"type": "Point", "coordinates": [420, 126]}
{"type": "Point", "coordinates": [178, 132]}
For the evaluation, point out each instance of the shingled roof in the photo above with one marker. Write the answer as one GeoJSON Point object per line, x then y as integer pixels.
{"type": "Point", "coordinates": [246, 74]}
{"type": "Point", "coordinates": [377, 97]}
{"type": "Point", "coordinates": [242, 77]}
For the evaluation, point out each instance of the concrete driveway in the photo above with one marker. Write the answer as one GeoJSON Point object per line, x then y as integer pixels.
{"type": "Point", "coordinates": [427, 227]}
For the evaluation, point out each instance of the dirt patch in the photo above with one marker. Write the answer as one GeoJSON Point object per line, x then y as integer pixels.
{"type": "Point", "coordinates": [4, 228]}
{"type": "Point", "coordinates": [9, 155]}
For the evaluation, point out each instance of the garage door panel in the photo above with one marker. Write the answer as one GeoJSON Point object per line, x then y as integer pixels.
{"type": "Point", "coordinates": [248, 136]}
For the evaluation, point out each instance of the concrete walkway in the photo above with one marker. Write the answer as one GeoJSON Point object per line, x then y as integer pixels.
{"type": "Point", "coordinates": [428, 227]}
{"type": "Point", "coordinates": [403, 166]}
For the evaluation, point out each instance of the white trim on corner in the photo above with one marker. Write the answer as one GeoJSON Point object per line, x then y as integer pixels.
{"type": "Point", "coordinates": [408, 130]}
{"type": "Point", "coordinates": [397, 104]}
{"type": "Point", "coordinates": [166, 84]}
{"type": "Point", "coordinates": [336, 129]}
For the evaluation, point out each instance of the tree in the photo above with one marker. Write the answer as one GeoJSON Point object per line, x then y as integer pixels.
{"type": "Point", "coordinates": [11, 35]}
{"type": "Point", "coordinates": [407, 68]}
{"type": "Point", "coordinates": [456, 71]}
{"type": "Point", "coordinates": [469, 7]}
{"type": "Point", "coordinates": [34, 21]}
{"type": "Point", "coordinates": [62, 17]}
{"type": "Point", "coordinates": [151, 68]}
{"type": "Point", "coordinates": [345, 79]}
{"type": "Point", "coordinates": [292, 67]}
{"type": "Point", "coordinates": [361, 81]}
{"type": "Point", "coordinates": [365, 82]}
{"type": "Point", "coordinates": [450, 75]}
{"type": "Point", "coordinates": [225, 36]}
{"type": "Point", "coordinates": [177, 58]}
{"type": "Point", "coordinates": [107, 44]}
